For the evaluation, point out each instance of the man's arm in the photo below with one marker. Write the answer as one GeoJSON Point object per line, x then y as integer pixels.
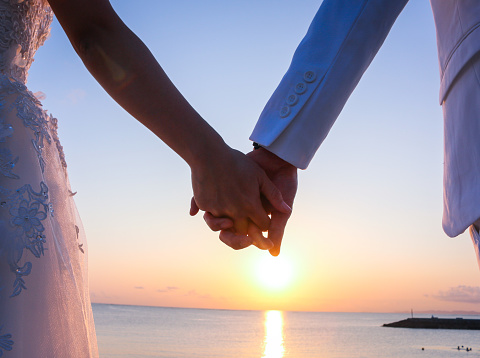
{"type": "Point", "coordinates": [340, 44]}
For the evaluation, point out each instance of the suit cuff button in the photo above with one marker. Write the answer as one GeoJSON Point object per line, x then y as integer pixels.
{"type": "Point", "coordinates": [310, 76]}
{"type": "Point", "coordinates": [301, 88]}
{"type": "Point", "coordinates": [285, 111]}
{"type": "Point", "coordinates": [292, 100]}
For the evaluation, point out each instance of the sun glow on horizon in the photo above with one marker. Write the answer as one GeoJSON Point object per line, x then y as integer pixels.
{"type": "Point", "coordinates": [274, 272]}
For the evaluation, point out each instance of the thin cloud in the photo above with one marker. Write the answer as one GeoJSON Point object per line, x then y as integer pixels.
{"type": "Point", "coordinates": [168, 289]}
{"type": "Point", "coordinates": [464, 294]}
{"type": "Point", "coordinates": [139, 287]}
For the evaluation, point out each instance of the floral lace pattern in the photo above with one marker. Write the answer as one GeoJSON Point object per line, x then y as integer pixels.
{"type": "Point", "coordinates": [28, 108]}
{"type": "Point", "coordinates": [26, 209]}
{"type": "Point", "coordinates": [7, 163]}
{"type": "Point", "coordinates": [6, 342]}
{"type": "Point", "coordinates": [24, 27]}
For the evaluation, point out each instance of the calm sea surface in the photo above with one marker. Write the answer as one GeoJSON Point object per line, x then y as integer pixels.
{"type": "Point", "coordinates": [135, 331]}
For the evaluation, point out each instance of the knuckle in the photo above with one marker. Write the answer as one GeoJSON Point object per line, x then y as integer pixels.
{"type": "Point", "coordinates": [264, 226]}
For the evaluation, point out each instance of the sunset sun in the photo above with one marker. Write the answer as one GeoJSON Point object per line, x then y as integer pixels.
{"type": "Point", "coordinates": [274, 272]}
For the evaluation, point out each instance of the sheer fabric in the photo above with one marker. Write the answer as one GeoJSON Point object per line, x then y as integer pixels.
{"type": "Point", "coordinates": [45, 309]}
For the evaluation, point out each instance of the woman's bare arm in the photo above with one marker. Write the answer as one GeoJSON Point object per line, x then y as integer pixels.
{"type": "Point", "coordinates": [225, 182]}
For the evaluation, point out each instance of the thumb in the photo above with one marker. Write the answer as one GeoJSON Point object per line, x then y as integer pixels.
{"type": "Point", "coordinates": [193, 207]}
{"type": "Point", "coordinates": [273, 195]}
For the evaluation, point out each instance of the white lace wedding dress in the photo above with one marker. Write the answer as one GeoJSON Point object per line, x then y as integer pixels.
{"type": "Point", "coordinates": [45, 308]}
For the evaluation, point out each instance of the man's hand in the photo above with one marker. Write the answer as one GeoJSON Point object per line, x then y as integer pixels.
{"type": "Point", "coordinates": [284, 176]}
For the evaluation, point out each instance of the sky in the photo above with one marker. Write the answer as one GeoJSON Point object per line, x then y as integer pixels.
{"type": "Point", "coordinates": [366, 231]}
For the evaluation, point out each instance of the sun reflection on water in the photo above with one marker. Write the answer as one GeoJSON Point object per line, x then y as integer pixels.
{"type": "Point", "coordinates": [273, 335]}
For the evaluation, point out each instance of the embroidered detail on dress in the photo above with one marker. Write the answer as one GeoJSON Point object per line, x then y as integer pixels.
{"type": "Point", "coordinates": [30, 112]}
{"type": "Point", "coordinates": [34, 118]}
{"type": "Point", "coordinates": [24, 27]}
{"type": "Point", "coordinates": [7, 163]}
{"type": "Point", "coordinates": [27, 209]}
{"type": "Point", "coordinates": [6, 130]}
{"type": "Point", "coordinates": [50, 208]}
{"type": "Point", "coordinates": [28, 218]}
{"type": "Point", "coordinates": [6, 342]}
{"type": "Point", "coordinates": [38, 149]}
{"type": "Point", "coordinates": [54, 129]}
{"type": "Point", "coordinates": [19, 283]}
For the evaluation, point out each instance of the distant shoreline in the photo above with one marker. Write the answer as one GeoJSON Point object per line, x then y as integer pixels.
{"type": "Point", "coordinates": [438, 312]}
{"type": "Point", "coordinates": [429, 313]}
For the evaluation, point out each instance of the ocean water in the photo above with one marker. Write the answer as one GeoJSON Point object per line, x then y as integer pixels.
{"type": "Point", "coordinates": [136, 331]}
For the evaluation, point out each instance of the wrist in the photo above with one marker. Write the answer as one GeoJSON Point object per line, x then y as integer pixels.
{"type": "Point", "coordinates": [268, 159]}
{"type": "Point", "coordinates": [208, 153]}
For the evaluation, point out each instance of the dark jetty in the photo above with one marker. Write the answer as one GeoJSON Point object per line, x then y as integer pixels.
{"type": "Point", "coordinates": [437, 323]}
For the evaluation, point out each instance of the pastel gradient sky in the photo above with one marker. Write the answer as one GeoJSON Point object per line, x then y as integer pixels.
{"type": "Point", "coordinates": [366, 231]}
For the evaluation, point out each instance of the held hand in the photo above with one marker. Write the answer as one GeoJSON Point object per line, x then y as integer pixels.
{"type": "Point", "coordinates": [284, 176]}
{"type": "Point", "coordinates": [237, 241]}
{"type": "Point", "coordinates": [230, 185]}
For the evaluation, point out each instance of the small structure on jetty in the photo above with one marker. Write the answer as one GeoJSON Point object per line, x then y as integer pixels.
{"type": "Point", "coordinates": [437, 323]}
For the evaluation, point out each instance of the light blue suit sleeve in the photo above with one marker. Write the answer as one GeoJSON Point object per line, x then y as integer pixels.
{"type": "Point", "coordinates": [340, 44]}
